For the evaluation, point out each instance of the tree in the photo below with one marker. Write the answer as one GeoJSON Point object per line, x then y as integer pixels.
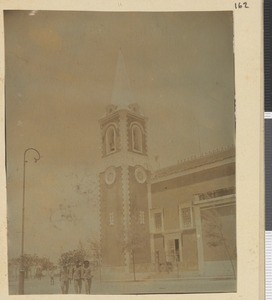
{"type": "Point", "coordinates": [72, 257]}
{"type": "Point", "coordinates": [89, 251]}
{"type": "Point", "coordinates": [95, 254]}
{"type": "Point", "coordinates": [214, 233]}
{"type": "Point", "coordinates": [45, 263]}
{"type": "Point", "coordinates": [135, 239]}
{"type": "Point", "coordinates": [32, 260]}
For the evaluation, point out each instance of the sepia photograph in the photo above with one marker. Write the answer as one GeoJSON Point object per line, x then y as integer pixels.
{"type": "Point", "coordinates": [120, 152]}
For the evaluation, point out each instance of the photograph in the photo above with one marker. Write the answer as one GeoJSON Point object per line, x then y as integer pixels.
{"type": "Point", "coordinates": [120, 131]}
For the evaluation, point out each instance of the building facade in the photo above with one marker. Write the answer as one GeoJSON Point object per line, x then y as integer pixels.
{"type": "Point", "coordinates": [193, 219]}
{"type": "Point", "coordinates": [182, 217]}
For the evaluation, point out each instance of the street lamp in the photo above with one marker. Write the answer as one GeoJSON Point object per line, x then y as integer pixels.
{"type": "Point", "coordinates": [22, 269]}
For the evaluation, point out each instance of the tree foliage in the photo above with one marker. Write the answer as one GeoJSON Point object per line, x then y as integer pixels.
{"type": "Point", "coordinates": [31, 260]}
{"type": "Point", "coordinates": [72, 257]}
{"type": "Point", "coordinates": [215, 236]}
{"type": "Point", "coordinates": [213, 228]}
{"type": "Point", "coordinates": [89, 251]}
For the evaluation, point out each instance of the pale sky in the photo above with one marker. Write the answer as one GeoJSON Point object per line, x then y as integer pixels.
{"type": "Point", "coordinates": [60, 75]}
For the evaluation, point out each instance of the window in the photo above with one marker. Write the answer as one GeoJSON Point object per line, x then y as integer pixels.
{"type": "Point", "coordinates": [173, 249]}
{"type": "Point", "coordinates": [157, 225]}
{"type": "Point", "coordinates": [110, 140]}
{"type": "Point", "coordinates": [177, 255]}
{"type": "Point", "coordinates": [186, 217]}
{"type": "Point", "coordinates": [111, 218]}
{"type": "Point", "coordinates": [158, 221]}
{"type": "Point", "coordinates": [142, 217]}
{"type": "Point", "coordinates": [137, 139]}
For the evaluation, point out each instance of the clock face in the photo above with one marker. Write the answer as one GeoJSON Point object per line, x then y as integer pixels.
{"type": "Point", "coordinates": [140, 174]}
{"type": "Point", "coordinates": [110, 175]}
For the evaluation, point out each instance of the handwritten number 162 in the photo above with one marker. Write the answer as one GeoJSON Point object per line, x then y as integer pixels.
{"type": "Point", "coordinates": [241, 5]}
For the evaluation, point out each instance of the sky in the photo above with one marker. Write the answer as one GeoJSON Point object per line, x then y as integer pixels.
{"type": "Point", "coordinates": [60, 76]}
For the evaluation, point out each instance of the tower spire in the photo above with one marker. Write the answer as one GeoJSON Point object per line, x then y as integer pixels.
{"type": "Point", "coordinates": [121, 94]}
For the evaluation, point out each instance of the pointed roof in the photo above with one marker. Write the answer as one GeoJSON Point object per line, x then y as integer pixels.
{"type": "Point", "coordinates": [121, 94]}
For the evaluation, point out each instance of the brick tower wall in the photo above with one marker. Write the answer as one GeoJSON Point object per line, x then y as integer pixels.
{"type": "Point", "coordinates": [112, 236]}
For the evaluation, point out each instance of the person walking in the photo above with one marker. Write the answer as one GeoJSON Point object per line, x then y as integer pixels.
{"type": "Point", "coordinates": [87, 276]}
{"type": "Point", "coordinates": [71, 272]}
{"type": "Point", "coordinates": [77, 278]}
{"type": "Point", "coordinates": [52, 275]}
{"type": "Point", "coordinates": [39, 272]}
{"type": "Point", "coordinates": [64, 280]}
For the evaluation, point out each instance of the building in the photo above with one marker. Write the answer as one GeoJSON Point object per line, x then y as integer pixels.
{"type": "Point", "coordinates": [193, 223]}
{"type": "Point", "coordinates": [177, 218]}
{"type": "Point", "coordinates": [123, 184]}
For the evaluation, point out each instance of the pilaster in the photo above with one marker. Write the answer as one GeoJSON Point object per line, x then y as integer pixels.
{"type": "Point", "coordinates": [199, 235]}
{"type": "Point", "coordinates": [126, 212]}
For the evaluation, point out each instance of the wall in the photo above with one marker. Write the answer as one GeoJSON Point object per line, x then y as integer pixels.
{"type": "Point", "coordinates": [112, 236]}
{"type": "Point", "coordinates": [171, 193]}
{"type": "Point", "coordinates": [139, 202]}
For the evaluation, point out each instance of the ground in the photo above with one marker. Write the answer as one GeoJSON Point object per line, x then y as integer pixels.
{"type": "Point", "coordinates": [184, 285]}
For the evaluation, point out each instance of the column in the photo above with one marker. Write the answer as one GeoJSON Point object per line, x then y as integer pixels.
{"type": "Point", "coordinates": [199, 239]}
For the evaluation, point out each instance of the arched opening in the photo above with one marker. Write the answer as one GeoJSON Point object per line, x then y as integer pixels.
{"type": "Point", "coordinates": [110, 140]}
{"type": "Point", "coordinates": [137, 139]}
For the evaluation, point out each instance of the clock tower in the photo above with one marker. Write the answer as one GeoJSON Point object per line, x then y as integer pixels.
{"type": "Point", "coordinates": [123, 183]}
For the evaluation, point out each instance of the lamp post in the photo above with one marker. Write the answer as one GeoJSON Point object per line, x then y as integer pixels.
{"type": "Point", "coordinates": [22, 269]}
